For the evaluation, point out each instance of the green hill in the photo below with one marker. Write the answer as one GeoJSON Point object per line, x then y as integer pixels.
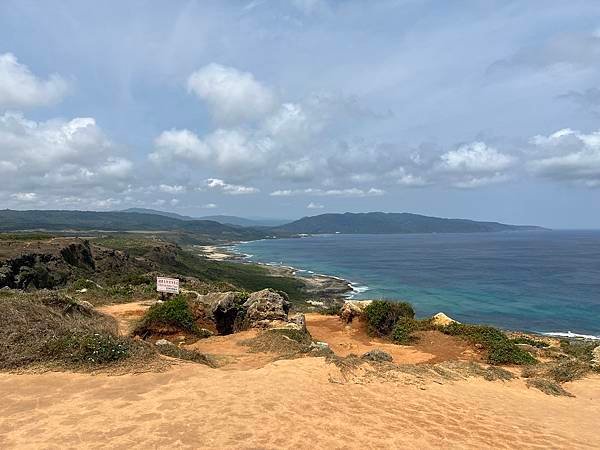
{"type": "Point", "coordinates": [58, 220]}
{"type": "Point", "coordinates": [391, 223]}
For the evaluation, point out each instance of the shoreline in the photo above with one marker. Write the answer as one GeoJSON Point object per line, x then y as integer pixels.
{"type": "Point", "coordinates": [331, 286]}
{"type": "Point", "coordinates": [326, 286]}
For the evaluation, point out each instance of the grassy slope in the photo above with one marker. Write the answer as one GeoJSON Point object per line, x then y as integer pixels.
{"type": "Point", "coordinates": [247, 277]}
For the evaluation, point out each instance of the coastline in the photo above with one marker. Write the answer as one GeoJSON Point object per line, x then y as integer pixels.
{"type": "Point", "coordinates": [331, 286]}
{"type": "Point", "coordinates": [325, 286]}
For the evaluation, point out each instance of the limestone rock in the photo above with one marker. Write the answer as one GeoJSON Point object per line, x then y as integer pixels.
{"type": "Point", "coordinates": [299, 321]}
{"type": "Point", "coordinates": [265, 307]}
{"type": "Point", "coordinates": [442, 320]}
{"type": "Point", "coordinates": [353, 308]}
{"type": "Point", "coordinates": [221, 311]}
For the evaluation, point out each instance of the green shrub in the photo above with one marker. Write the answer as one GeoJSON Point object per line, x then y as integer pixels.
{"type": "Point", "coordinates": [382, 316]}
{"type": "Point", "coordinates": [501, 350]}
{"type": "Point", "coordinates": [82, 283]}
{"type": "Point", "coordinates": [568, 370]}
{"type": "Point", "coordinates": [120, 290]}
{"type": "Point", "coordinates": [170, 316]}
{"type": "Point", "coordinates": [581, 350]}
{"type": "Point", "coordinates": [403, 331]}
{"type": "Point", "coordinates": [96, 348]}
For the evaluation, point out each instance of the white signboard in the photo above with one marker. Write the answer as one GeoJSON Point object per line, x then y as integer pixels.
{"type": "Point", "coordinates": [170, 285]}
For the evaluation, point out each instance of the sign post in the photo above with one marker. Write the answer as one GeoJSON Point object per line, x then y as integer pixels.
{"type": "Point", "coordinates": [167, 286]}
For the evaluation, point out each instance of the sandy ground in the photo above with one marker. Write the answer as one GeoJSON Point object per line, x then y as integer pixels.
{"type": "Point", "coordinates": [343, 339]}
{"type": "Point", "coordinates": [254, 401]}
{"type": "Point", "coordinates": [287, 404]}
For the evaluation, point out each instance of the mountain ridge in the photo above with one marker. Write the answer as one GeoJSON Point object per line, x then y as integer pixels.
{"type": "Point", "coordinates": [392, 223]}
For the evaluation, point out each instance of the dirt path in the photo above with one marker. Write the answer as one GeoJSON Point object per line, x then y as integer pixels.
{"type": "Point", "coordinates": [126, 314]}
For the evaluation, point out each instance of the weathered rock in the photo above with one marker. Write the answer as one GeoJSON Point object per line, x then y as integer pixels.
{"type": "Point", "coordinates": [299, 320]}
{"type": "Point", "coordinates": [442, 320]}
{"type": "Point", "coordinates": [377, 355]}
{"type": "Point", "coordinates": [223, 308]}
{"type": "Point", "coordinates": [353, 308]}
{"type": "Point", "coordinates": [265, 308]}
{"type": "Point", "coordinates": [163, 342]}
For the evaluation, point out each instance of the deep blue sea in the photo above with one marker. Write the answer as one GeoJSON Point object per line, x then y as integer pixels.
{"type": "Point", "coordinates": [542, 281]}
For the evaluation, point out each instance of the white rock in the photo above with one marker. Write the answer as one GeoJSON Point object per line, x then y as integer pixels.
{"type": "Point", "coordinates": [441, 319]}
{"type": "Point", "coordinates": [163, 342]}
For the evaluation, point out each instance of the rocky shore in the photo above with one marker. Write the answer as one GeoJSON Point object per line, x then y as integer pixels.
{"type": "Point", "coordinates": [316, 284]}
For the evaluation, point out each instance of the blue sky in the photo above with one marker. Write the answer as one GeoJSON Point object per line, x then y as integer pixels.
{"type": "Point", "coordinates": [479, 109]}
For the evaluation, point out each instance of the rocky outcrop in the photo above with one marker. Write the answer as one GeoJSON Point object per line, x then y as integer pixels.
{"type": "Point", "coordinates": [32, 270]}
{"type": "Point", "coordinates": [50, 264]}
{"type": "Point", "coordinates": [266, 309]}
{"type": "Point", "coordinates": [226, 310]}
{"type": "Point", "coordinates": [353, 308]}
{"type": "Point", "coordinates": [441, 320]}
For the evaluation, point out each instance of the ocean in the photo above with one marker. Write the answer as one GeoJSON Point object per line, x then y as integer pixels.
{"type": "Point", "coordinates": [540, 281]}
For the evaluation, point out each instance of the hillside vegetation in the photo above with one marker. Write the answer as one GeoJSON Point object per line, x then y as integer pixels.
{"type": "Point", "coordinates": [120, 221]}
{"type": "Point", "coordinates": [391, 223]}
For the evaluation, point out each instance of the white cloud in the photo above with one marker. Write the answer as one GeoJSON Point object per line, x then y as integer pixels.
{"type": "Point", "coordinates": [230, 189]}
{"type": "Point", "coordinates": [19, 88]}
{"type": "Point", "coordinates": [179, 144]}
{"type": "Point", "coordinates": [476, 157]}
{"type": "Point", "coordinates": [351, 192]}
{"type": "Point", "coordinates": [25, 196]}
{"type": "Point", "coordinates": [568, 155]}
{"type": "Point", "coordinates": [232, 95]}
{"type": "Point", "coordinates": [313, 205]}
{"type": "Point", "coordinates": [298, 170]}
{"type": "Point", "coordinates": [59, 159]}
{"type": "Point", "coordinates": [172, 189]}
{"type": "Point", "coordinates": [210, 206]}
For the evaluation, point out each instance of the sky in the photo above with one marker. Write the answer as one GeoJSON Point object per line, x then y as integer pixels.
{"type": "Point", "coordinates": [482, 109]}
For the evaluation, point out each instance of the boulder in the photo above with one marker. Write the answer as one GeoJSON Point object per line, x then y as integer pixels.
{"type": "Point", "coordinates": [377, 355]}
{"type": "Point", "coordinates": [441, 320]}
{"type": "Point", "coordinates": [223, 308]}
{"type": "Point", "coordinates": [163, 342]}
{"type": "Point", "coordinates": [266, 309]}
{"type": "Point", "coordinates": [353, 308]}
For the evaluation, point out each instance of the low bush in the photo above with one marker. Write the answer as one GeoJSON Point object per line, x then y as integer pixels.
{"type": "Point", "coordinates": [55, 331]}
{"type": "Point", "coordinates": [501, 350]}
{"type": "Point", "coordinates": [286, 343]}
{"type": "Point", "coordinates": [566, 369]}
{"type": "Point", "coordinates": [167, 317]}
{"type": "Point", "coordinates": [88, 348]}
{"type": "Point", "coordinates": [581, 350]}
{"type": "Point", "coordinates": [548, 387]}
{"type": "Point", "coordinates": [382, 316]}
{"type": "Point", "coordinates": [403, 331]}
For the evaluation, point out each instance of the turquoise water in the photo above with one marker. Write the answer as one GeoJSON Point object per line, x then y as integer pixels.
{"type": "Point", "coordinates": [543, 281]}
